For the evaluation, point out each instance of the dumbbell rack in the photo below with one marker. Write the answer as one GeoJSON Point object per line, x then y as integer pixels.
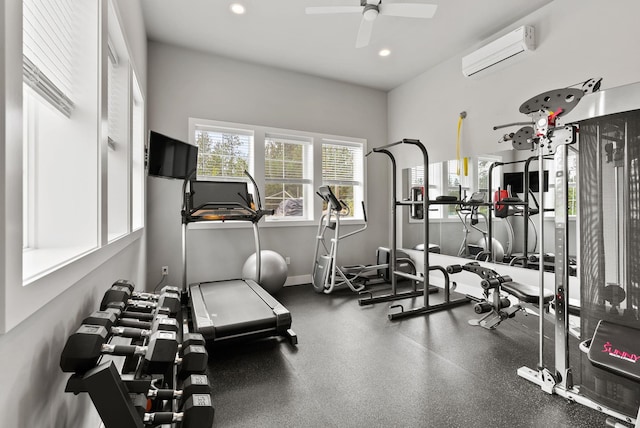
{"type": "Point", "coordinates": [122, 387]}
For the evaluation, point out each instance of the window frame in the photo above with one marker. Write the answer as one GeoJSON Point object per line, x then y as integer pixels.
{"type": "Point", "coordinates": [260, 134]}
{"type": "Point", "coordinates": [20, 298]}
{"type": "Point", "coordinates": [357, 182]}
{"type": "Point", "coordinates": [306, 181]}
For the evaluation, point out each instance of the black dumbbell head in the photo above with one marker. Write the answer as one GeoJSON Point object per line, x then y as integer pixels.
{"type": "Point", "coordinates": [116, 293]}
{"type": "Point", "coordinates": [162, 347]}
{"type": "Point", "coordinates": [171, 301]}
{"type": "Point", "coordinates": [107, 319]}
{"type": "Point", "coordinates": [189, 339]}
{"type": "Point", "coordinates": [195, 384]}
{"type": "Point", "coordinates": [194, 359]}
{"type": "Point", "coordinates": [125, 283]}
{"type": "Point", "coordinates": [83, 348]}
{"type": "Point", "coordinates": [198, 411]}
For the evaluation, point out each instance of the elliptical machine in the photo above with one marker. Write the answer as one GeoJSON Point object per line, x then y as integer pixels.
{"type": "Point", "coordinates": [326, 274]}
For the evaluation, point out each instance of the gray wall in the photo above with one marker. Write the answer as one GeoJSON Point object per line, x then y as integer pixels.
{"type": "Point", "coordinates": [576, 40]}
{"type": "Point", "coordinates": [183, 84]}
{"type": "Point", "coordinates": [32, 393]}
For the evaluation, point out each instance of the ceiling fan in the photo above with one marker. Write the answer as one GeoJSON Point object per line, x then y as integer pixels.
{"type": "Point", "coordinates": [370, 9]}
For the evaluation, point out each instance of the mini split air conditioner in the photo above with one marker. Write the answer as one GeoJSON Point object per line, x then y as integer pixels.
{"type": "Point", "coordinates": [514, 43]}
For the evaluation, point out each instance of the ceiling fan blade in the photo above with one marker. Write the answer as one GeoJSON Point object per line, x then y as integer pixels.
{"type": "Point", "coordinates": [317, 10]}
{"type": "Point", "coordinates": [364, 33]}
{"type": "Point", "coordinates": [408, 10]}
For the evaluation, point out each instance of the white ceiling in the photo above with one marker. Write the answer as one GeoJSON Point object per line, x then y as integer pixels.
{"type": "Point", "coordinates": [278, 33]}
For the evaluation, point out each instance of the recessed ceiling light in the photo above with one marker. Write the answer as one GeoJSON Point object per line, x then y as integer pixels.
{"type": "Point", "coordinates": [238, 9]}
{"type": "Point", "coordinates": [384, 52]}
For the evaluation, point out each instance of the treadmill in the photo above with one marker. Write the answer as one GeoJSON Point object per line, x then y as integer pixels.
{"type": "Point", "coordinates": [236, 309]}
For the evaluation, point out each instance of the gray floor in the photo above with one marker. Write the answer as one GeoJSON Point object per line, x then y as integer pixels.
{"type": "Point", "coordinates": [355, 368]}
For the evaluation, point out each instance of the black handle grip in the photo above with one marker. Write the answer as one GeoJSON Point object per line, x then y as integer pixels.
{"type": "Point", "coordinates": [364, 212]}
{"type": "Point", "coordinates": [130, 332]}
{"type": "Point", "coordinates": [134, 323]}
{"type": "Point", "coordinates": [454, 269]}
{"type": "Point", "coordinates": [125, 350]}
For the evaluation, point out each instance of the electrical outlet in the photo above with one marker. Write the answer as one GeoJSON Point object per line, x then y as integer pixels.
{"type": "Point", "coordinates": [165, 270]}
{"type": "Point", "coordinates": [288, 260]}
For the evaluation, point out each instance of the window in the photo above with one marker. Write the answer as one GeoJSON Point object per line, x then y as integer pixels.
{"type": "Point", "coordinates": [484, 163]}
{"type": "Point", "coordinates": [78, 178]}
{"type": "Point", "coordinates": [223, 153]}
{"type": "Point", "coordinates": [57, 156]}
{"type": "Point", "coordinates": [137, 157]}
{"type": "Point", "coordinates": [457, 183]}
{"type": "Point", "coordinates": [118, 144]}
{"type": "Point", "coordinates": [287, 165]}
{"type": "Point", "coordinates": [60, 114]}
{"type": "Point", "coordinates": [342, 169]}
{"type": "Point", "coordinates": [416, 179]}
{"type": "Point", "coordinates": [287, 176]}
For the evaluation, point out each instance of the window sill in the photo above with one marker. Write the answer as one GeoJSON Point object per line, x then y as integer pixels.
{"type": "Point", "coordinates": [266, 224]}
{"type": "Point", "coordinates": [40, 262]}
{"type": "Point", "coordinates": [23, 300]}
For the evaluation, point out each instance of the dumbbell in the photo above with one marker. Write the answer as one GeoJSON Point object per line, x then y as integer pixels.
{"type": "Point", "coordinates": [193, 359]}
{"type": "Point", "coordinates": [89, 342]}
{"type": "Point", "coordinates": [144, 312]}
{"type": "Point", "coordinates": [139, 295]}
{"type": "Point", "coordinates": [194, 384]}
{"type": "Point", "coordinates": [191, 339]}
{"type": "Point", "coordinates": [197, 412]}
{"type": "Point", "coordinates": [120, 293]}
{"type": "Point", "coordinates": [110, 321]}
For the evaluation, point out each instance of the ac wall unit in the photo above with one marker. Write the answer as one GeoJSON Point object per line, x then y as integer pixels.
{"type": "Point", "coordinates": [514, 43]}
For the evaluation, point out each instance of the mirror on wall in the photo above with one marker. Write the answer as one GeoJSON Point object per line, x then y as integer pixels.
{"type": "Point", "coordinates": [463, 229]}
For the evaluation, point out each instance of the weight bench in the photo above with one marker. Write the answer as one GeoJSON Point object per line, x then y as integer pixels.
{"type": "Point", "coordinates": [499, 308]}
{"type": "Point", "coordinates": [615, 348]}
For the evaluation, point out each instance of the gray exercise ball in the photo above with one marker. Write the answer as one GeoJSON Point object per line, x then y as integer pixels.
{"type": "Point", "coordinates": [273, 270]}
{"type": "Point", "coordinates": [498, 250]}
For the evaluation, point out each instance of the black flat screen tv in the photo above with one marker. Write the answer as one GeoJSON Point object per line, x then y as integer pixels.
{"type": "Point", "coordinates": [171, 158]}
{"type": "Point", "coordinates": [516, 181]}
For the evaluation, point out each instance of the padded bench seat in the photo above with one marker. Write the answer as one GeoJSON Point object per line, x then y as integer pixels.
{"type": "Point", "coordinates": [526, 293]}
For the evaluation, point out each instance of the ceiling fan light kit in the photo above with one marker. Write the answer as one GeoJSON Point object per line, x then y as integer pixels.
{"type": "Point", "coordinates": [370, 9]}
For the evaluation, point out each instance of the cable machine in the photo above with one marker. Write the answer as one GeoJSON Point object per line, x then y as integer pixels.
{"type": "Point", "coordinates": [550, 138]}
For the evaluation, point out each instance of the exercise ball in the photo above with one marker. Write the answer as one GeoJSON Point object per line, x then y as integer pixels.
{"type": "Point", "coordinates": [498, 250]}
{"type": "Point", "coordinates": [273, 270]}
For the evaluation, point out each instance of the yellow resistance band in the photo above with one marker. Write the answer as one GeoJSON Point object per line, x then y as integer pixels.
{"type": "Point", "coordinates": [465, 160]}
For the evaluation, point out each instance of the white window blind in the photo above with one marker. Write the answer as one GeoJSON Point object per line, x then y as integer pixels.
{"type": "Point", "coordinates": [417, 176]}
{"type": "Point", "coordinates": [287, 175]}
{"type": "Point", "coordinates": [48, 50]}
{"type": "Point", "coordinates": [224, 153]}
{"type": "Point", "coordinates": [284, 159]}
{"type": "Point", "coordinates": [343, 170]}
{"type": "Point", "coordinates": [342, 163]}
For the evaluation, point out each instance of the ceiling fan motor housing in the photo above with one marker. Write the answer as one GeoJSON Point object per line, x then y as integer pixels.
{"type": "Point", "coordinates": [370, 12]}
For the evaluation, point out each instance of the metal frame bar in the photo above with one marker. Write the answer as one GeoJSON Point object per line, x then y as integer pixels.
{"type": "Point", "coordinates": [426, 308]}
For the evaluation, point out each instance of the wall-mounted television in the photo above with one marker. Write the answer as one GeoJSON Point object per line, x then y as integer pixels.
{"type": "Point", "coordinates": [516, 181]}
{"type": "Point", "coordinates": [171, 158]}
